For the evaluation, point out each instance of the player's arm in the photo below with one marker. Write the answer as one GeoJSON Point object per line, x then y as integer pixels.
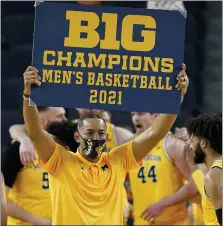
{"type": "Point", "coordinates": [26, 149]}
{"type": "Point", "coordinates": [43, 143]}
{"type": "Point", "coordinates": [212, 183]}
{"type": "Point", "coordinates": [123, 135]}
{"type": "Point", "coordinates": [175, 149]}
{"type": "Point", "coordinates": [19, 213]}
{"type": "Point", "coordinates": [18, 132]}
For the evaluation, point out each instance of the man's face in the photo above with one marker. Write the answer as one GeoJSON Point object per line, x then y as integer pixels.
{"type": "Point", "coordinates": [91, 129]}
{"type": "Point", "coordinates": [199, 154]}
{"type": "Point", "coordinates": [82, 112]}
{"type": "Point", "coordinates": [142, 121]}
{"type": "Point", "coordinates": [52, 114]}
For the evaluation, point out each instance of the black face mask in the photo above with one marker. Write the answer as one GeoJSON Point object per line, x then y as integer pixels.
{"type": "Point", "coordinates": [94, 147]}
{"type": "Point", "coordinates": [199, 157]}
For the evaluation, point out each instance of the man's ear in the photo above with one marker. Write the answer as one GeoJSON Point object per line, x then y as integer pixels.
{"type": "Point", "coordinates": [77, 137]}
{"type": "Point", "coordinates": [44, 122]}
{"type": "Point", "coordinates": [203, 143]}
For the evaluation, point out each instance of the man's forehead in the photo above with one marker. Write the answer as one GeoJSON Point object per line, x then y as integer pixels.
{"type": "Point", "coordinates": [93, 123]}
{"type": "Point", "coordinates": [59, 110]}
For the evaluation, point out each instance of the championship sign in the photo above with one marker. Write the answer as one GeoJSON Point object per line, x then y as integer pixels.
{"type": "Point", "coordinates": [110, 58]}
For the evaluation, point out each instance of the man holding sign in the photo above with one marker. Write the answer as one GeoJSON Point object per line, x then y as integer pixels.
{"type": "Point", "coordinates": [86, 185]}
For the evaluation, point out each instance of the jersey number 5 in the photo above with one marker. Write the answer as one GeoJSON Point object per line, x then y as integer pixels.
{"type": "Point", "coordinates": [151, 174]}
{"type": "Point", "coordinates": [45, 184]}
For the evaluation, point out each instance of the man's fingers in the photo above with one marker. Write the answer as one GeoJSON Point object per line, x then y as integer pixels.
{"type": "Point", "coordinates": [31, 68]}
{"type": "Point", "coordinates": [27, 159]}
{"type": "Point", "coordinates": [22, 159]}
{"type": "Point", "coordinates": [148, 217]}
{"type": "Point", "coordinates": [32, 76]}
{"type": "Point", "coordinates": [144, 212]}
{"type": "Point", "coordinates": [151, 220]}
{"type": "Point", "coordinates": [181, 74]}
{"type": "Point", "coordinates": [184, 66]}
{"type": "Point", "coordinates": [32, 81]}
{"type": "Point", "coordinates": [38, 83]}
{"type": "Point", "coordinates": [182, 85]}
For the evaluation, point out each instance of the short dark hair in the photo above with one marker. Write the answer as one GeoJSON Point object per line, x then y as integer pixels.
{"type": "Point", "coordinates": [208, 127]}
{"type": "Point", "coordinates": [64, 131]}
{"type": "Point", "coordinates": [81, 120]}
{"type": "Point", "coordinates": [41, 109]}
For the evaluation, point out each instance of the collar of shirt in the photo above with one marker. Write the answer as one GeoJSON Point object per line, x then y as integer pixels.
{"type": "Point", "coordinates": [87, 163]}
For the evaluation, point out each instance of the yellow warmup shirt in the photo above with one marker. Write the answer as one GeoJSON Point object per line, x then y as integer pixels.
{"type": "Point", "coordinates": [156, 179]}
{"type": "Point", "coordinates": [85, 193]}
{"type": "Point", "coordinates": [209, 213]}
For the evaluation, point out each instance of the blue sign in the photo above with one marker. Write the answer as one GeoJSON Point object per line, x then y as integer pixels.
{"type": "Point", "coordinates": [110, 58]}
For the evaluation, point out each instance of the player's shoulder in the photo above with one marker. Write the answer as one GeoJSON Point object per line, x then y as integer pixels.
{"type": "Point", "coordinates": [174, 146]}
{"type": "Point", "coordinates": [213, 173]}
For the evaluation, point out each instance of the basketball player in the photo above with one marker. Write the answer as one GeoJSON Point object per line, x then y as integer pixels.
{"type": "Point", "coordinates": [195, 208]}
{"type": "Point", "coordinates": [161, 177]}
{"type": "Point", "coordinates": [28, 202]}
{"type": "Point", "coordinates": [3, 202]}
{"type": "Point", "coordinates": [86, 185]}
{"type": "Point", "coordinates": [18, 133]}
{"type": "Point", "coordinates": [206, 137]}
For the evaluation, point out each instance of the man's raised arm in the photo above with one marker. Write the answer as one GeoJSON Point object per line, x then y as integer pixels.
{"type": "Point", "coordinates": [146, 141]}
{"type": "Point", "coordinates": [43, 142]}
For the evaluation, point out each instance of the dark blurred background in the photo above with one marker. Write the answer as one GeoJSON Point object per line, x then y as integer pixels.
{"type": "Point", "coordinates": [203, 57]}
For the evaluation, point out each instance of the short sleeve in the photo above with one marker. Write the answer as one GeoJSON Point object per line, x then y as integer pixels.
{"type": "Point", "coordinates": [56, 161]}
{"type": "Point", "coordinates": [123, 155]}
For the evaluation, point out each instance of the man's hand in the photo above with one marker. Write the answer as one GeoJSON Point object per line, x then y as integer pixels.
{"type": "Point", "coordinates": [183, 82]}
{"type": "Point", "coordinates": [181, 134]}
{"type": "Point", "coordinates": [189, 156]}
{"type": "Point", "coordinates": [27, 153]}
{"type": "Point", "coordinates": [30, 77]}
{"type": "Point", "coordinates": [152, 212]}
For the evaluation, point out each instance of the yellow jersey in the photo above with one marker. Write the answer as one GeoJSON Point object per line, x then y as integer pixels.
{"type": "Point", "coordinates": [30, 191]}
{"type": "Point", "coordinates": [85, 193]}
{"type": "Point", "coordinates": [210, 217]}
{"type": "Point", "coordinates": [156, 179]}
{"type": "Point", "coordinates": [198, 218]}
